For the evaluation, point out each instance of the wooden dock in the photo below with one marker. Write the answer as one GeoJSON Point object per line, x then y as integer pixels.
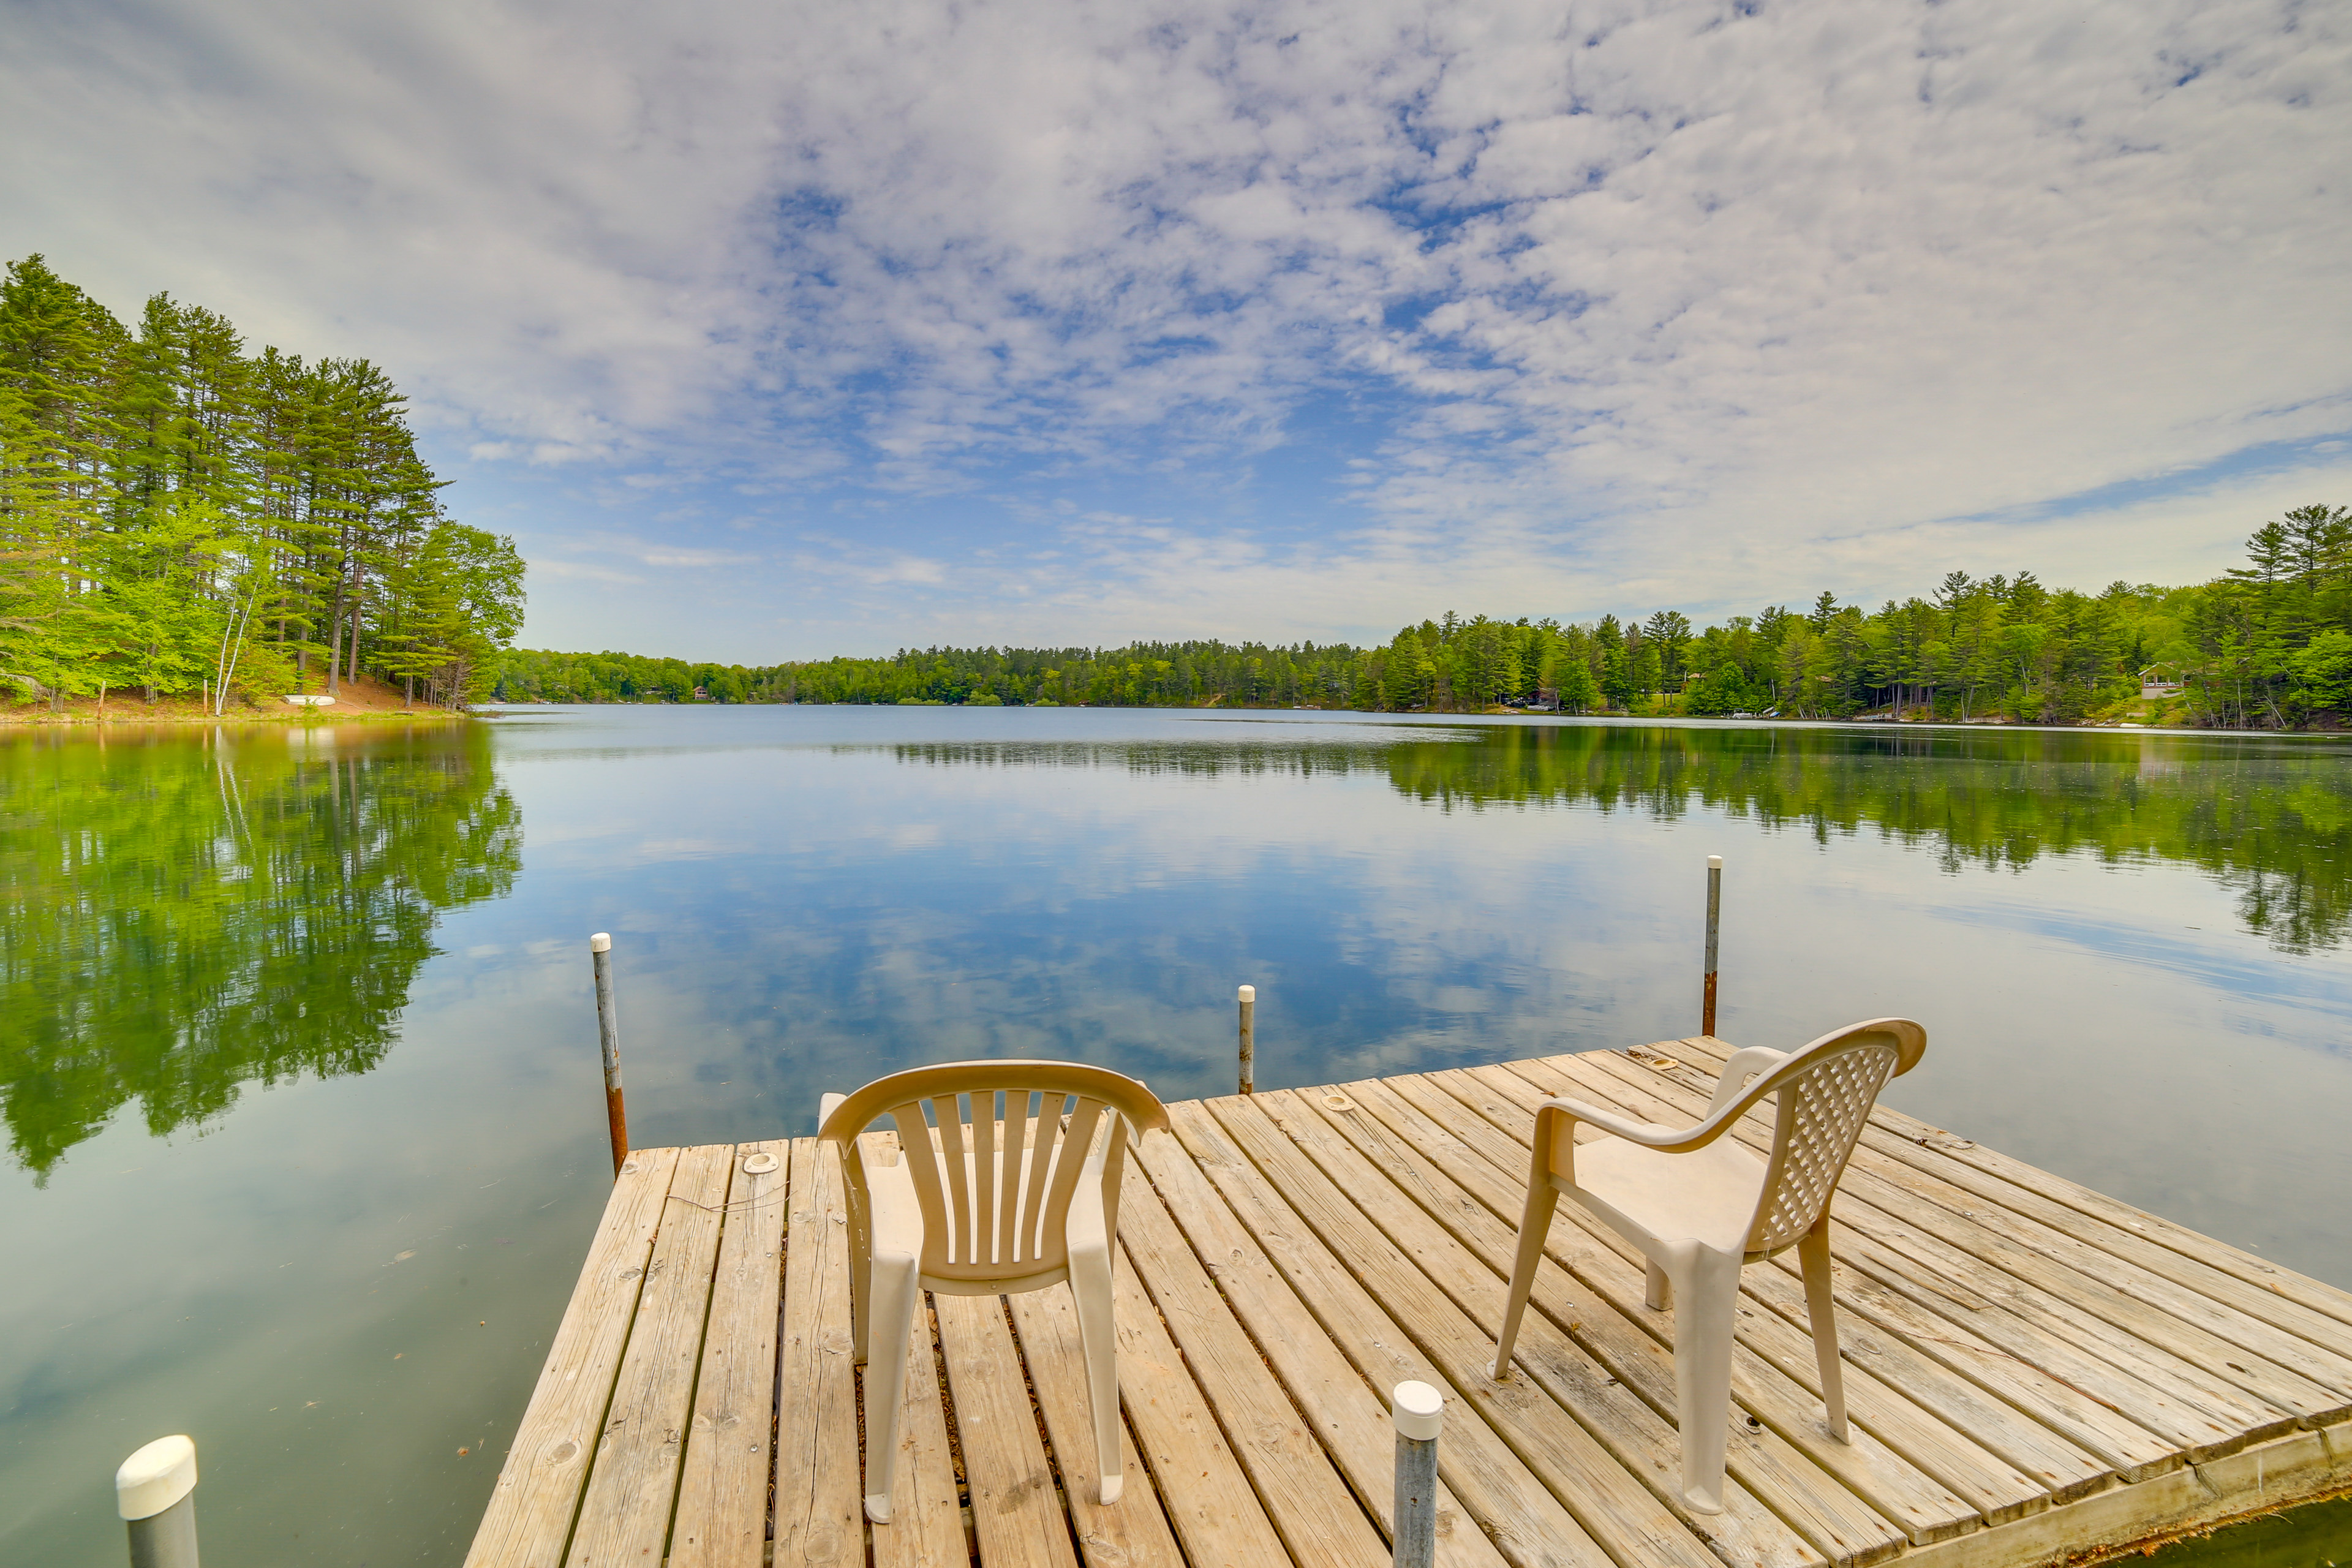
{"type": "Point", "coordinates": [2036, 1373]}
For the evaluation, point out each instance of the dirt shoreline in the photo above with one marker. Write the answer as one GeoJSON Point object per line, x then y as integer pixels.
{"type": "Point", "coordinates": [364, 700]}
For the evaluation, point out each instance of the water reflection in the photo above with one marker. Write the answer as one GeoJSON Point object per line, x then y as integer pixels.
{"type": "Point", "coordinates": [345, 1287]}
{"type": "Point", "coordinates": [2272, 820]}
{"type": "Point", "coordinates": [188, 914]}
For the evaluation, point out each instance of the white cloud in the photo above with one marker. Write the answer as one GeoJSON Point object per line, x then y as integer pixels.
{"type": "Point", "coordinates": [1678, 302]}
{"type": "Point", "coordinates": [579, 572]}
{"type": "Point", "coordinates": [664, 557]}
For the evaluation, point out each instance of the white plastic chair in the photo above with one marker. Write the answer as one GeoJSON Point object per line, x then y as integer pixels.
{"type": "Point", "coordinates": [1699, 1205]}
{"type": "Point", "coordinates": [983, 1199]}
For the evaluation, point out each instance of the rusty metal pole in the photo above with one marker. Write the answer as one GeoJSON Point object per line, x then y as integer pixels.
{"type": "Point", "coordinates": [1248, 995]}
{"type": "Point", "coordinates": [608, 1025]}
{"type": "Point", "coordinates": [1713, 920]}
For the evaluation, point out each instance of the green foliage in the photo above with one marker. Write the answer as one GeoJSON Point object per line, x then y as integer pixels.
{"type": "Point", "coordinates": [2274, 824]}
{"type": "Point", "coordinates": [1142, 675]}
{"type": "Point", "coordinates": [177, 516]}
{"type": "Point", "coordinates": [2270, 645]}
{"type": "Point", "coordinates": [255, 913]}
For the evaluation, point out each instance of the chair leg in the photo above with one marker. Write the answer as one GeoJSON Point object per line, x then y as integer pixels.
{"type": "Point", "coordinates": [894, 1294]}
{"type": "Point", "coordinates": [861, 1302]}
{"type": "Point", "coordinates": [1707, 1305]}
{"type": "Point", "coordinates": [1813, 1256]}
{"type": "Point", "coordinates": [1657, 1290]}
{"type": "Point", "coordinates": [1534, 1225]}
{"type": "Point", "coordinates": [1091, 1287]}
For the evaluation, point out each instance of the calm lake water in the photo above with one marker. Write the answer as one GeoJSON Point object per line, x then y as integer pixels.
{"type": "Point", "coordinates": [298, 1051]}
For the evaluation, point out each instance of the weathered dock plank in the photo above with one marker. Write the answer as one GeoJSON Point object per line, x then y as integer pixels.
{"type": "Point", "coordinates": [1014, 1510]}
{"type": "Point", "coordinates": [1046, 1322]}
{"type": "Point", "coordinates": [1304, 1498]}
{"type": "Point", "coordinates": [819, 1510]}
{"type": "Point", "coordinates": [2035, 1372]}
{"type": "Point", "coordinates": [1479, 1204]}
{"type": "Point", "coordinates": [529, 1518]}
{"type": "Point", "coordinates": [927, 1518]}
{"type": "Point", "coordinates": [1335, 1403]}
{"type": "Point", "coordinates": [722, 1493]}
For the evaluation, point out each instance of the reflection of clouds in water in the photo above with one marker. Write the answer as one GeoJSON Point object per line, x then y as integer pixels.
{"type": "Point", "coordinates": [1071, 913]}
{"type": "Point", "coordinates": [2240, 970]}
{"type": "Point", "coordinates": [1443, 902]}
{"type": "Point", "coordinates": [682, 848]}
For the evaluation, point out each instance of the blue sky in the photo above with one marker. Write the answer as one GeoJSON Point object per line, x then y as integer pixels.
{"type": "Point", "coordinates": [778, 331]}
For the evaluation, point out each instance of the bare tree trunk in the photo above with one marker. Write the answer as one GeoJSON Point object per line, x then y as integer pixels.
{"type": "Point", "coordinates": [335, 640]}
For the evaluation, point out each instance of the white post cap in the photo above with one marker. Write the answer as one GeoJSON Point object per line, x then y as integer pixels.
{"type": "Point", "coordinates": [155, 1478]}
{"type": "Point", "coordinates": [1246, 993]}
{"type": "Point", "coordinates": [1715, 862]}
{"type": "Point", "coordinates": [600, 943]}
{"type": "Point", "coordinates": [1420, 1410]}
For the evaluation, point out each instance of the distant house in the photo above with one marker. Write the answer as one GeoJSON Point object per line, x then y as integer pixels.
{"type": "Point", "coordinates": [701, 695]}
{"type": "Point", "coordinates": [1547, 700]}
{"type": "Point", "coordinates": [2160, 681]}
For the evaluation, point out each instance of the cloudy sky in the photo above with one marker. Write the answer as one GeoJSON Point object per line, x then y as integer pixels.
{"type": "Point", "coordinates": [777, 330]}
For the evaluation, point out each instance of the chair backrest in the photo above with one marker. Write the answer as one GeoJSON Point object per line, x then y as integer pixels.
{"type": "Point", "coordinates": [1826, 1090]}
{"type": "Point", "coordinates": [994, 1164]}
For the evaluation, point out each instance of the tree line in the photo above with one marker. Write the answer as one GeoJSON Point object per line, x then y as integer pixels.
{"type": "Point", "coordinates": [2268, 645]}
{"type": "Point", "coordinates": [179, 516]}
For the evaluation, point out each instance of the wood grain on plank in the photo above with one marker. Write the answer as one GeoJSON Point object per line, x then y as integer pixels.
{"type": "Point", "coordinates": [2090, 1401]}
{"type": "Point", "coordinates": [1463, 1191]}
{"type": "Point", "coordinates": [1015, 1511]}
{"type": "Point", "coordinates": [1183, 1241]}
{"type": "Point", "coordinates": [1320, 1518]}
{"type": "Point", "coordinates": [926, 1525]}
{"type": "Point", "coordinates": [1525, 1522]}
{"type": "Point", "coordinates": [625, 1513]}
{"type": "Point", "coordinates": [2242, 1355]}
{"type": "Point", "coordinates": [722, 1496]}
{"type": "Point", "coordinates": [2127, 1243]}
{"type": "Point", "coordinates": [2326, 1301]}
{"type": "Point", "coordinates": [1132, 1531]}
{"type": "Point", "coordinates": [1356, 1153]}
{"type": "Point", "coordinates": [2136, 1379]}
{"type": "Point", "coordinates": [530, 1512]}
{"type": "Point", "coordinates": [2159, 1350]}
{"type": "Point", "coordinates": [1619, 1513]}
{"type": "Point", "coordinates": [819, 1517]}
{"type": "Point", "coordinates": [1216, 1515]}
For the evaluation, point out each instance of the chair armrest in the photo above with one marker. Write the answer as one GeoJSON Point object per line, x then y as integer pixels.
{"type": "Point", "coordinates": [824, 1107]}
{"type": "Point", "coordinates": [1746, 1063]}
{"type": "Point", "coordinates": [1649, 1134]}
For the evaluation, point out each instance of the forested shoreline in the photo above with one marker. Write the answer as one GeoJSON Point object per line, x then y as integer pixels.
{"type": "Point", "coordinates": [2268, 645]}
{"type": "Point", "coordinates": [181, 518]}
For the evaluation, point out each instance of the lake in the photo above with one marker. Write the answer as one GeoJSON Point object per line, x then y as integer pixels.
{"type": "Point", "coordinates": [297, 1047]}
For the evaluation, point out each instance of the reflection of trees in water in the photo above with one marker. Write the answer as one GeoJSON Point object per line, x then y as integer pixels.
{"type": "Point", "coordinates": [186, 914]}
{"type": "Point", "coordinates": [2272, 819]}
{"type": "Point", "coordinates": [1205, 759]}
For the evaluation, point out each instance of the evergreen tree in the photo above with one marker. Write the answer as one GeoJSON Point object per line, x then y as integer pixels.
{"type": "Point", "coordinates": [177, 514]}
